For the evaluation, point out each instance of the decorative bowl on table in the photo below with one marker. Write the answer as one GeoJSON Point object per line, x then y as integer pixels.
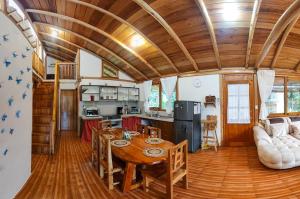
{"type": "Point", "coordinates": [120, 143]}
{"type": "Point", "coordinates": [154, 140]}
{"type": "Point", "coordinates": [154, 152]}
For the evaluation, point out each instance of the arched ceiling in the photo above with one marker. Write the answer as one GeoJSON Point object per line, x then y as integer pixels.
{"type": "Point", "coordinates": [180, 36]}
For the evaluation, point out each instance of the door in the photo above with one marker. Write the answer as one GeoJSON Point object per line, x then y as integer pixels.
{"type": "Point", "coordinates": [68, 110]}
{"type": "Point", "coordinates": [238, 106]}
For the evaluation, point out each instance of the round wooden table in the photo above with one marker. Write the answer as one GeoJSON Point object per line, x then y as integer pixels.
{"type": "Point", "coordinates": [133, 155]}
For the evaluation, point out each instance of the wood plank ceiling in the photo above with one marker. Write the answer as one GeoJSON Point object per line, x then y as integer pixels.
{"type": "Point", "coordinates": [180, 36]}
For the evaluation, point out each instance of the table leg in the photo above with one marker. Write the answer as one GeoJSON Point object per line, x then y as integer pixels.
{"type": "Point", "coordinates": [128, 176]}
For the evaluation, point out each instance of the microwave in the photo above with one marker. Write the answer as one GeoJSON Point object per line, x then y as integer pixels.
{"type": "Point", "coordinates": [91, 112]}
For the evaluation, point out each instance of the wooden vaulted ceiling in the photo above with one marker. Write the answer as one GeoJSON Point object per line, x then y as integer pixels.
{"type": "Point", "coordinates": [181, 36]}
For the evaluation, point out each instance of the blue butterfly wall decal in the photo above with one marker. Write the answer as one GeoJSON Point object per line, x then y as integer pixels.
{"type": "Point", "coordinates": [10, 101]}
{"type": "Point", "coordinates": [4, 117]}
{"type": "Point", "coordinates": [15, 54]}
{"type": "Point", "coordinates": [2, 130]}
{"type": "Point", "coordinates": [18, 114]}
{"type": "Point", "coordinates": [22, 72]}
{"type": "Point", "coordinates": [10, 77]}
{"type": "Point", "coordinates": [28, 85]}
{"type": "Point", "coordinates": [7, 63]}
{"type": "Point", "coordinates": [18, 80]}
{"type": "Point", "coordinates": [24, 56]}
{"type": "Point", "coordinates": [11, 131]}
{"type": "Point", "coordinates": [27, 48]}
{"type": "Point", "coordinates": [5, 37]}
{"type": "Point", "coordinates": [1, 84]}
{"type": "Point", "coordinates": [24, 95]}
{"type": "Point", "coordinates": [28, 69]}
{"type": "Point", "coordinates": [5, 152]}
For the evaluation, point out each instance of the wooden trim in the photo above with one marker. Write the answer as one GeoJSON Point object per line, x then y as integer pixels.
{"type": "Point", "coordinates": [285, 95]}
{"type": "Point", "coordinates": [297, 67]}
{"type": "Point", "coordinates": [56, 56]}
{"type": "Point", "coordinates": [202, 7]}
{"type": "Point", "coordinates": [95, 44]}
{"type": "Point", "coordinates": [89, 26]}
{"type": "Point", "coordinates": [101, 78]}
{"type": "Point", "coordinates": [59, 46]}
{"type": "Point", "coordinates": [253, 21]}
{"type": "Point", "coordinates": [292, 12]}
{"type": "Point", "coordinates": [128, 24]}
{"type": "Point", "coordinates": [282, 41]}
{"type": "Point", "coordinates": [168, 28]}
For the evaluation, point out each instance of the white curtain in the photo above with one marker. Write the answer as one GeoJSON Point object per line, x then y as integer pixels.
{"type": "Point", "coordinates": [168, 86]}
{"type": "Point", "coordinates": [147, 93]}
{"type": "Point", "coordinates": [265, 80]}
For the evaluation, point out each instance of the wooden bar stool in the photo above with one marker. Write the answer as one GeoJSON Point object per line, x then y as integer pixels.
{"type": "Point", "coordinates": [210, 124]}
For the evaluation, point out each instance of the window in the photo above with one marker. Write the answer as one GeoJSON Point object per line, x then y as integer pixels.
{"type": "Point", "coordinates": [109, 71]}
{"type": "Point", "coordinates": [238, 104]}
{"type": "Point", "coordinates": [158, 98]}
{"type": "Point", "coordinates": [275, 103]}
{"type": "Point", "coordinates": [293, 95]}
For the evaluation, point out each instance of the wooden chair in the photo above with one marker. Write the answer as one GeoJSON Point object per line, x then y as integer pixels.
{"type": "Point", "coordinates": [175, 170]}
{"type": "Point", "coordinates": [211, 125]}
{"type": "Point", "coordinates": [106, 164]}
{"type": "Point", "coordinates": [104, 124]}
{"type": "Point", "coordinates": [95, 148]}
{"type": "Point", "coordinates": [141, 128]}
{"type": "Point", "coordinates": [153, 131]}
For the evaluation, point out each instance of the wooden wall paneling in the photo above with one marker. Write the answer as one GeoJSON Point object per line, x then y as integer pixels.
{"type": "Point", "coordinates": [296, 68]}
{"type": "Point", "coordinates": [282, 41]}
{"type": "Point", "coordinates": [168, 28]}
{"type": "Point", "coordinates": [255, 11]}
{"type": "Point", "coordinates": [95, 44]}
{"type": "Point", "coordinates": [130, 25]}
{"type": "Point", "coordinates": [202, 7]}
{"type": "Point", "coordinates": [59, 46]}
{"type": "Point", "coordinates": [289, 15]}
{"type": "Point", "coordinates": [59, 52]}
{"type": "Point", "coordinates": [74, 20]}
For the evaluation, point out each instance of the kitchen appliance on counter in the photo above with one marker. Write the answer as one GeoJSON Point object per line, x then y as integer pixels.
{"type": "Point", "coordinates": [120, 110]}
{"type": "Point", "coordinates": [135, 110]}
{"type": "Point", "coordinates": [187, 115]}
{"type": "Point", "coordinates": [91, 112]}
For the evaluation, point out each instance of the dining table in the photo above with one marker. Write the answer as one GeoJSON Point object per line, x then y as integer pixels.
{"type": "Point", "coordinates": [133, 155]}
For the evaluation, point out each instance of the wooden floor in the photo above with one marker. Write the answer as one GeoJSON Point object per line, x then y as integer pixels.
{"type": "Point", "coordinates": [229, 173]}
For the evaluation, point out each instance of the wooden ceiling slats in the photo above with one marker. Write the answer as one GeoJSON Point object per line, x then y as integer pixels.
{"type": "Point", "coordinates": [59, 46]}
{"type": "Point", "coordinates": [289, 15]}
{"type": "Point", "coordinates": [95, 44]}
{"type": "Point", "coordinates": [154, 14]}
{"type": "Point", "coordinates": [56, 56]}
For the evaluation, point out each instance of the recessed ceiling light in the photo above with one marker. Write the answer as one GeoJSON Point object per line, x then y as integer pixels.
{"type": "Point", "coordinates": [137, 41]}
{"type": "Point", "coordinates": [55, 32]}
{"type": "Point", "coordinates": [231, 12]}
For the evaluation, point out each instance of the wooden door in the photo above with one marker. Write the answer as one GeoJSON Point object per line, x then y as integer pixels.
{"type": "Point", "coordinates": [238, 109]}
{"type": "Point", "coordinates": [68, 110]}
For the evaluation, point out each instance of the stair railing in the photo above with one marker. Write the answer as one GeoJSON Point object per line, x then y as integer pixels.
{"type": "Point", "coordinates": [54, 120]}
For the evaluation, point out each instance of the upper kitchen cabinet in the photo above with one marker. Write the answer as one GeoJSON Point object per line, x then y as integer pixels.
{"type": "Point", "coordinates": [133, 94]}
{"type": "Point", "coordinates": [108, 93]}
{"type": "Point", "coordinates": [90, 93]}
{"type": "Point", "coordinates": [123, 94]}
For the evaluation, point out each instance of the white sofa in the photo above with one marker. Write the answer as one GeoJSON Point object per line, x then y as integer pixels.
{"type": "Point", "coordinates": [277, 152]}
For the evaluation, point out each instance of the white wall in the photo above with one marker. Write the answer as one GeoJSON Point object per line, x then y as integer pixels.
{"type": "Point", "coordinates": [210, 85]}
{"type": "Point", "coordinates": [51, 65]}
{"type": "Point", "coordinates": [90, 65]}
{"type": "Point", "coordinates": [15, 145]}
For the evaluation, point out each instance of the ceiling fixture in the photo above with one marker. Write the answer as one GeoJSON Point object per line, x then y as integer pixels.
{"type": "Point", "coordinates": [55, 32]}
{"type": "Point", "coordinates": [231, 12]}
{"type": "Point", "coordinates": [137, 40]}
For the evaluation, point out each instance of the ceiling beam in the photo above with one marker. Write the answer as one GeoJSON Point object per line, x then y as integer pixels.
{"type": "Point", "coordinates": [59, 46]}
{"type": "Point", "coordinates": [253, 21]}
{"type": "Point", "coordinates": [57, 50]}
{"type": "Point", "coordinates": [81, 47]}
{"type": "Point", "coordinates": [95, 44]}
{"type": "Point", "coordinates": [57, 56]}
{"type": "Point", "coordinates": [203, 9]}
{"type": "Point", "coordinates": [297, 67]}
{"type": "Point", "coordinates": [282, 41]}
{"type": "Point", "coordinates": [292, 12]}
{"type": "Point", "coordinates": [121, 20]}
{"type": "Point", "coordinates": [89, 26]}
{"type": "Point", "coordinates": [168, 28]}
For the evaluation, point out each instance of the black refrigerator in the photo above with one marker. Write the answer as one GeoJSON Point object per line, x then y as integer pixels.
{"type": "Point", "coordinates": [187, 115]}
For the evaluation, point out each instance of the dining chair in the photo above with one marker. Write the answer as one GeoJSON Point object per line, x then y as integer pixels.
{"type": "Point", "coordinates": [141, 128]}
{"type": "Point", "coordinates": [153, 131]}
{"type": "Point", "coordinates": [175, 170]}
{"type": "Point", "coordinates": [104, 124]}
{"type": "Point", "coordinates": [95, 150]}
{"type": "Point", "coordinates": [106, 164]}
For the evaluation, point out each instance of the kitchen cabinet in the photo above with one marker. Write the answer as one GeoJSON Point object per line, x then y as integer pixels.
{"type": "Point", "coordinates": [167, 129]}
{"type": "Point", "coordinates": [108, 93]}
{"type": "Point", "coordinates": [90, 93]}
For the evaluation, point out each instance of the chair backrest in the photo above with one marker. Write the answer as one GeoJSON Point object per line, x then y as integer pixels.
{"type": "Point", "coordinates": [95, 147]}
{"type": "Point", "coordinates": [178, 157]}
{"type": "Point", "coordinates": [213, 124]}
{"type": "Point", "coordinates": [105, 154]}
{"type": "Point", "coordinates": [153, 131]}
{"type": "Point", "coordinates": [141, 128]}
{"type": "Point", "coordinates": [104, 124]}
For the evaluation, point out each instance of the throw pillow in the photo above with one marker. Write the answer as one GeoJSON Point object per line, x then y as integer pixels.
{"type": "Point", "coordinates": [278, 130]}
{"type": "Point", "coordinates": [295, 129]}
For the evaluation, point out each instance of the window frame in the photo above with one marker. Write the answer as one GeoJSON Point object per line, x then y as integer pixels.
{"type": "Point", "coordinates": [286, 112]}
{"type": "Point", "coordinates": [159, 108]}
{"type": "Point", "coordinates": [104, 64]}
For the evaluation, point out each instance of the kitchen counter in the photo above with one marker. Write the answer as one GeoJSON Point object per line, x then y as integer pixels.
{"type": "Point", "coordinates": [91, 118]}
{"type": "Point", "coordinates": [143, 116]}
